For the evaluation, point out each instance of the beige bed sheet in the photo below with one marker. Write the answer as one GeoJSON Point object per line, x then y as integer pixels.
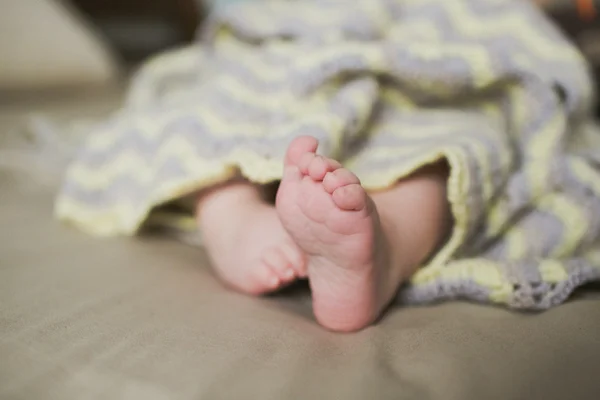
{"type": "Point", "coordinates": [83, 318]}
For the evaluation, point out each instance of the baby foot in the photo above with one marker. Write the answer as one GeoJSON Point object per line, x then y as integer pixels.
{"type": "Point", "coordinates": [246, 242]}
{"type": "Point", "coordinates": [333, 220]}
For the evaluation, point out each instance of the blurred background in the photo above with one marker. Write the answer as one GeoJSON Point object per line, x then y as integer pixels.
{"type": "Point", "coordinates": [47, 45]}
{"type": "Point", "coordinates": [137, 28]}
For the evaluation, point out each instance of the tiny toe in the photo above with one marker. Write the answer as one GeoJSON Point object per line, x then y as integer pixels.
{"type": "Point", "coordinates": [267, 277]}
{"type": "Point", "coordinates": [320, 166]}
{"type": "Point", "coordinates": [350, 197]}
{"type": "Point", "coordinates": [317, 168]}
{"type": "Point", "coordinates": [288, 274]}
{"type": "Point", "coordinates": [296, 260]}
{"type": "Point", "coordinates": [300, 269]}
{"type": "Point", "coordinates": [280, 265]}
{"type": "Point", "coordinates": [338, 178]}
{"type": "Point", "coordinates": [274, 281]}
{"type": "Point", "coordinates": [298, 147]}
{"type": "Point", "coordinates": [332, 165]}
{"type": "Point", "coordinates": [305, 161]}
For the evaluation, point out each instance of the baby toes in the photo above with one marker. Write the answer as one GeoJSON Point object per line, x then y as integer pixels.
{"type": "Point", "coordinates": [320, 166]}
{"type": "Point", "coordinates": [316, 167]}
{"type": "Point", "coordinates": [300, 146]}
{"type": "Point", "coordinates": [264, 280]}
{"type": "Point", "coordinates": [277, 261]}
{"type": "Point", "coordinates": [350, 197]}
{"type": "Point", "coordinates": [338, 178]}
{"type": "Point", "coordinates": [296, 259]}
{"type": "Point", "coordinates": [304, 162]}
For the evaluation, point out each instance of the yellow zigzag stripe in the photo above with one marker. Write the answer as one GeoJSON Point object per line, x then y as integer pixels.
{"type": "Point", "coordinates": [540, 149]}
{"type": "Point", "coordinates": [516, 243]}
{"type": "Point", "coordinates": [503, 149]}
{"type": "Point", "coordinates": [477, 55]}
{"type": "Point", "coordinates": [105, 222]}
{"type": "Point", "coordinates": [149, 127]}
{"type": "Point", "coordinates": [397, 99]}
{"type": "Point", "coordinates": [248, 95]}
{"type": "Point", "coordinates": [172, 63]}
{"type": "Point", "coordinates": [320, 18]}
{"type": "Point", "coordinates": [425, 29]}
{"type": "Point", "coordinates": [473, 26]}
{"type": "Point", "coordinates": [378, 178]}
{"type": "Point", "coordinates": [256, 64]}
{"type": "Point", "coordinates": [540, 146]}
{"type": "Point", "coordinates": [552, 271]}
{"type": "Point", "coordinates": [593, 257]}
{"type": "Point", "coordinates": [508, 25]}
{"type": "Point", "coordinates": [174, 147]}
{"type": "Point", "coordinates": [391, 154]}
{"type": "Point", "coordinates": [586, 174]}
{"type": "Point", "coordinates": [125, 218]}
{"type": "Point", "coordinates": [513, 25]}
{"type": "Point", "coordinates": [463, 21]}
{"type": "Point", "coordinates": [573, 218]}
{"type": "Point", "coordinates": [483, 271]}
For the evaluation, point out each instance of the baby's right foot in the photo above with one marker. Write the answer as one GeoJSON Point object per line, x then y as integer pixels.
{"type": "Point", "coordinates": [246, 242]}
{"type": "Point", "coordinates": [333, 220]}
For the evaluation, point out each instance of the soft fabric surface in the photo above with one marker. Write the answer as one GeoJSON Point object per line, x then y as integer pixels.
{"type": "Point", "coordinates": [82, 318]}
{"type": "Point", "coordinates": [45, 44]}
{"type": "Point", "coordinates": [387, 86]}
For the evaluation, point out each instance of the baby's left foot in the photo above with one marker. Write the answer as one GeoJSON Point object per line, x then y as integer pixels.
{"type": "Point", "coordinates": [249, 248]}
{"type": "Point", "coordinates": [333, 220]}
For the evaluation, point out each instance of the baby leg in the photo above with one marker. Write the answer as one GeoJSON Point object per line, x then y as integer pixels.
{"type": "Point", "coordinates": [360, 247]}
{"type": "Point", "coordinates": [248, 247]}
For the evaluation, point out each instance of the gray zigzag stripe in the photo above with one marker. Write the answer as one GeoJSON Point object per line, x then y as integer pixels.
{"type": "Point", "coordinates": [439, 291]}
{"type": "Point", "coordinates": [207, 146]}
{"type": "Point", "coordinates": [590, 204]}
{"type": "Point", "coordinates": [288, 25]}
{"type": "Point", "coordinates": [503, 46]}
{"type": "Point", "coordinates": [539, 297]}
{"type": "Point", "coordinates": [198, 137]}
{"type": "Point", "coordinates": [125, 189]}
{"type": "Point", "coordinates": [541, 245]}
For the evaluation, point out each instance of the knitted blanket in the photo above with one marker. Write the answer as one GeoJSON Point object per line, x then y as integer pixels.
{"type": "Point", "coordinates": [387, 86]}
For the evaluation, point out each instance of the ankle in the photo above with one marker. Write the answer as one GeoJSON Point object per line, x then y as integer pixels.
{"type": "Point", "coordinates": [415, 216]}
{"type": "Point", "coordinates": [227, 199]}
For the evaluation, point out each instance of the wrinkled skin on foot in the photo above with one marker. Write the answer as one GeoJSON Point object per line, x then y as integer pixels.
{"type": "Point", "coordinates": [335, 223]}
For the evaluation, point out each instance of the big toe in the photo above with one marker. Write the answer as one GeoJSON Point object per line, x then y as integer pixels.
{"type": "Point", "coordinates": [300, 146]}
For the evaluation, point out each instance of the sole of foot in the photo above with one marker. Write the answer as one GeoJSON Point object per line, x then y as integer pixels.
{"type": "Point", "coordinates": [335, 223]}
